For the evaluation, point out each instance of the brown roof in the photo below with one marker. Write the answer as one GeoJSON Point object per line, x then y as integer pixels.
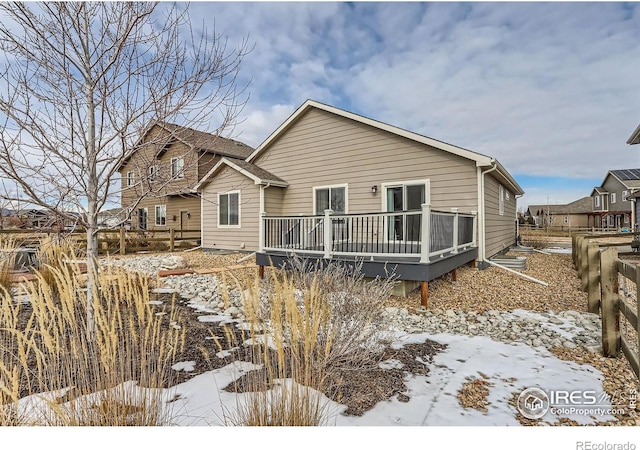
{"type": "Point", "coordinates": [258, 171]}
{"type": "Point", "coordinates": [208, 142]}
{"type": "Point", "coordinates": [580, 206]}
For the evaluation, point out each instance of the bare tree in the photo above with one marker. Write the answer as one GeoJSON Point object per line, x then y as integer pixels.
{"type": "Point", "coordinates": [80, 83]}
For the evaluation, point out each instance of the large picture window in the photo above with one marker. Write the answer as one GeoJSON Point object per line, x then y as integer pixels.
{"type": "Point", "coordinates": [161, 215]}
{"type": "Point", "coordinates": [229, 209]}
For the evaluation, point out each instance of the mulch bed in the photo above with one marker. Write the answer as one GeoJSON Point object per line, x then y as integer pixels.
{"type": "Point", "coordinates": [360, 390]}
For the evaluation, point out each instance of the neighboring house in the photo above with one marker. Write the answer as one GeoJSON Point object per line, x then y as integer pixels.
{"type": "Point", "coordinates": [159, 174]}
{"type": "Point", "coordinates": [612, 201]}
{"type": "Point", "coordinates": [571, 215]}
{"type": "Point", "coordinates": [635, 197]}
{"type": "Point", "coordinates": [110, 218]}
{"type": "Point", "coordinates": [334, 184]}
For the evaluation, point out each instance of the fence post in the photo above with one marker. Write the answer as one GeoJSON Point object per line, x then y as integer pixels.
{"type": "Point", "coordinates": [426, 233]}
{"type": "Point", "coordinates": [456, 217]}
{"type": "Point", "coordinates": [579, 240]}
{"type": "Point", "coordinates": [122, 242]}
{"type": "Point", "coordinates": [584, 264]}
{"type": "Point", "coordinates": [172, 237]}
{"type": "Point", "coordinates": [593, 288]}
{"type": "Point", "coordinates": [610, 310]}
{"type": "Point", "coordinates": [328, 234]}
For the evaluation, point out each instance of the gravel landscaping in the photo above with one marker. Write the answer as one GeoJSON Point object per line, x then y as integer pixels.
{"type": "Point", "coordinates": [490, 302]}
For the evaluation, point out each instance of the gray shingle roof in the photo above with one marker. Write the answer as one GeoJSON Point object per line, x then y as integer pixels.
{"type": "Point", "coordinates": [580, 206]}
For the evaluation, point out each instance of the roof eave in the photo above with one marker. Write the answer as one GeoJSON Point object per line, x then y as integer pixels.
{"type": "Point", "coordinates": [635, 137]}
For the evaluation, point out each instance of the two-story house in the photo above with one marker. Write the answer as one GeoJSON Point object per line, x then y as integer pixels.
{"type": "Point", "coordinates": [635, 198]}
{"type": "Point", "coordinates": [612, 200]}
{"type": "Point", "coordinates": [160, 172]}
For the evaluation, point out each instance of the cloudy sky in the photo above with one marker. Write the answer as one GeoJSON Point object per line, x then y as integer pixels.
{"type": "Point", "coordinates": [552, 90]}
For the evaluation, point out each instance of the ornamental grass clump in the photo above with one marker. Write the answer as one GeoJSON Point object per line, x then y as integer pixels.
{"type": "Point", "coordinates": [306, 326]}
{"type": "Point", "coordinates": [56, 371]}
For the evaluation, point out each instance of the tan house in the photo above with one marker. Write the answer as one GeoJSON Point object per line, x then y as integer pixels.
{"type": "Point", "coordinates": [159, 174]}
{"type": "Point", "coordinates": [335, 185]}
{"type": "Point", "coordinates": [571, 215]}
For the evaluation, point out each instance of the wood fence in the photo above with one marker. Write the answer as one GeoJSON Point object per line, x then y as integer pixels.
{"type": "Point", "coordinates": [599, 272]}
{"type": "Point", "coordinates": [114, 241]}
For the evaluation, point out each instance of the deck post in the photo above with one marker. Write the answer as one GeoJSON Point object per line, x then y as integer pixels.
{"type": "Point", "coordinates": [456, 217]}
{"type": "Point", "coordinates": [425, 236]}
{"type": "Point", "coordinates": [261, 232]}
{"type": "Point", "coordinates": [261, 272]}
{"type": "Point", "coordinates": [454, 275]}
{"type": "Point", "coordinates": [172, 239]}
{"type": "Point", "coordinates": [424, 294]}
{"type": "Point", "coordinates": [475, 227]}
{"type": "Point", "coordinates": [328, 234]}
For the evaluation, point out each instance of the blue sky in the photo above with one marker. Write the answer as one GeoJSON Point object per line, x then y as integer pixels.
{"type": "Point", "coordinates": [552, 90]}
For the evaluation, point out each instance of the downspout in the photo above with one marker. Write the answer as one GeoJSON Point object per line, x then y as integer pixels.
{"type": "Point", "coordinates": [483, 231]}
{"type": "Point", "coordinates": [483, 256]}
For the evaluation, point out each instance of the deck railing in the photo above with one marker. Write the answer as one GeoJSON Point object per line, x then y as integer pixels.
{"type": "Point", "coordinates": [383, 234]}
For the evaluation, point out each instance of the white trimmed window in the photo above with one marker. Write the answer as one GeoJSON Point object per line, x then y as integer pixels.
{"type": "Point", "coordinates": [330, 197]}
{"type": "Point", "coordinates": [501, 201]}
{"type": "Point", "coordinates": [177, 167]}
{"type": "Point", "coordinates": [161, 215]}
{"type": "Point", "coordinates": [613, 197]}
{"type": "Point", "coordinates": [596, 201]}
{"type": "Point", "coordinates": [566, 219]}
{"type": "Point", "coordinates": [625, 194]}
{"type": "Point", "coordinates": [229, 209]}
{"type": "Point", "coordinates": [152, 173]}
{"type": "Point", "coordinates": [130, 178]}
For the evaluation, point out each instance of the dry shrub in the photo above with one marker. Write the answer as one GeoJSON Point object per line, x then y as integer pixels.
{"type": "Point", "coordinates": [306, 326]}
{"type": "Point", "coordinates": [108, 376]}
{"type": "Point", "coordinates": [536, 240]}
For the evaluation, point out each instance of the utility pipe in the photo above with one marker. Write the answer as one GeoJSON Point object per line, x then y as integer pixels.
{"type": "Point", "coordinates": [483, 231]}
{"type": "Point", "coordinates": [244, 258]}
{"type": "Point", "coordinates": [517, 273]}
